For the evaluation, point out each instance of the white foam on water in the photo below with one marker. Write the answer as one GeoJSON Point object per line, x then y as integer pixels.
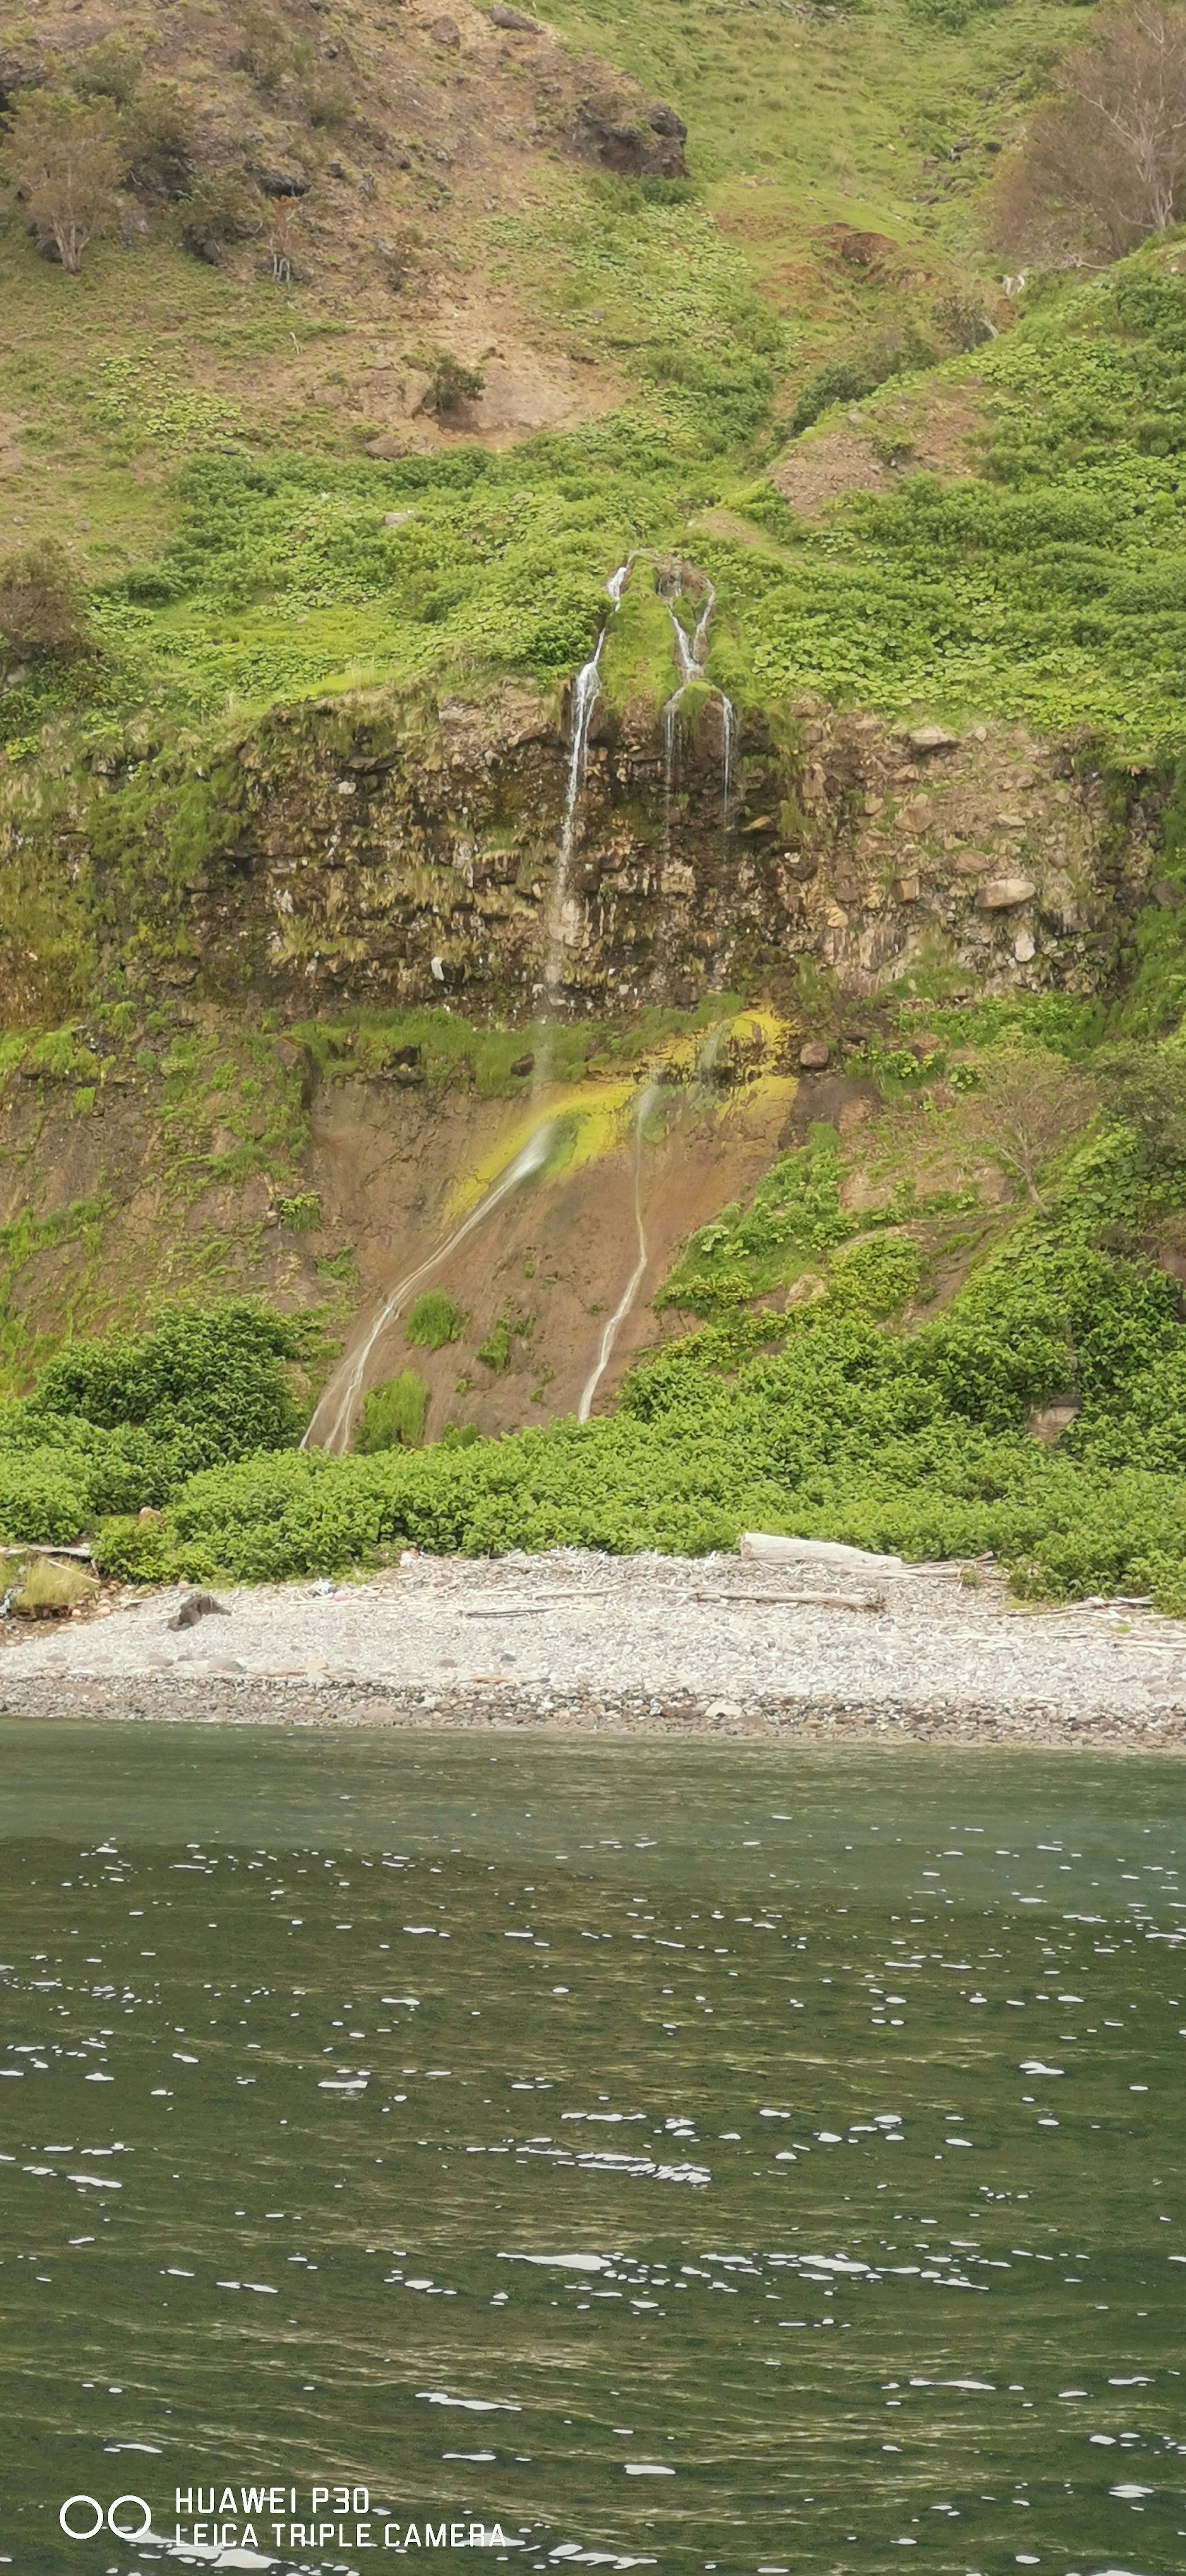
{"type": "Point", "coordinates": [567, 2262]}
{"type": "Point", "coordinates": [474, 2405]}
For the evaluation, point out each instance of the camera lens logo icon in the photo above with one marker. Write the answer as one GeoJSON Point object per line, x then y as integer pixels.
{"type": "Point", "coordinates": [77, 2509]}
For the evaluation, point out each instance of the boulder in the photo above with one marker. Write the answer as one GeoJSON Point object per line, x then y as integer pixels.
{"type": "Point", "coordinates": [282, 183]}
{"type": "Point", "coordinates": [999, 893]}
{"type": "Point", "coordinates": [867, 250]}
{"type": "Point", "coordinates": [932, 738]}
{"type": "Point", "coordinates": [815, 1055]}
{"type": "Point", "coordinates": [816, 1551]}
{"type": "Point", "coordinates": [515, 21]}
{"type": "Point", "coordinates": [445, 31]}
{"type": "Point", "coordinates": [634, 142]}
{"type": "Point", "coordinates": [17, 72]}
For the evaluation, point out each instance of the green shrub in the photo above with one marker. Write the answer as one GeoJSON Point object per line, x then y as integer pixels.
{"type": "Point", "coordinates": [434, 1319]}
{"type": "Point", "coordinates": [209, 1382]}
{"type": "Point", "coordinates": [451, 384]}
{"type": "Point", "coordinates": [495, 1352]}
{"type": "Point", "coordinates": [109, 69]}
{"type": "Point", "coordinates": [41, 605]}
{"type": "Point", "coordinates": [161, 142]}
{"type": "Point", "coordinates": [393, 1415]}
{"type": "Point", "coordinates": [221, 209]}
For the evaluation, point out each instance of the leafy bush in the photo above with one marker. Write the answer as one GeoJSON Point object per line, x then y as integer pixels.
{"type": "Point", "coordinates": [495, 1352]}
{"type": "Point", "coordinates": [451, 384]}
{"type": "Point", "coordinates": [850, 379]}
{"type": "Point", "coordinates": [223, 208]}
{"type": "Point", "coordinates": [160, 143]}
{"type": "Point", "coordinates": [41, 609]}
{"type": "Point", "coordinates": [434, 1319]}
{"type": "Point", "coordinates": [109, 69]}
{"type": "Point", "coordinates": [205, 1384]}
{"type": "Point", "coordinates": [393, 1415]}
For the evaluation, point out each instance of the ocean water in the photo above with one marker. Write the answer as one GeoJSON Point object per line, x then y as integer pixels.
{"type": "Point", "coordinates": [699, 2157]}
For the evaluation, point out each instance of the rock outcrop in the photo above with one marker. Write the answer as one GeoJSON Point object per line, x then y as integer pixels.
{"type": "Point", "coordinates": [634, 142]}
{"type": "Point", "coordinates": [392, 853]}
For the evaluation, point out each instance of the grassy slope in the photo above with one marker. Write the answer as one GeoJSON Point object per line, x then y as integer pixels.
{"type": "Point", "coordinates": [704, 307]}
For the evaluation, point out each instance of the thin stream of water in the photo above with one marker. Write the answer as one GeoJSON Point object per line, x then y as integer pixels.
{"type": "Point", "coordinates": [691, 653]}
{"type": "Point", "coordinates": [333, 1420]}
{"type": "Point", "coordinates": [612, 1328]}
{"type": "Point", "coordinates": [586, 689]}
{"type": "Point", "coordinates": [331, 1424]}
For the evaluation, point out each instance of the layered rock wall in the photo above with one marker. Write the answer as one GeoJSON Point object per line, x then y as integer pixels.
{"type": "Point", "coordinates": [387, 855]}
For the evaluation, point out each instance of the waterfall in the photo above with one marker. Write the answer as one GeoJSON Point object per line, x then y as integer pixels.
{"type": "Point", "coordinates": [611, 1329]}
{"type": "Point", "coordinates": [728, 755]}
{"type": "Point", "coordinates": [691, 653]}
{"type": "Point", "coordinates": [670, 766]}
{"type": "Point", "coordinates": [341, 1396]}
{"type": "Point", "coordinates": [586, 689]}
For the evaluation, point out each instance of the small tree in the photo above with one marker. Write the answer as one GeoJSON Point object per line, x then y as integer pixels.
{"type": "Point", "coordinates": [65, 159]}
{"type": "Point", "coordinates": [451, 384]}
{"type": "Point", "coordinates": [1104, 164]}
{"type": "Point", "coordinates": [222, 208]}
{"type": "Point", "coordinates": [1145, 1089]}
{"type": "Point", "coordinates": [40, 602]}
{"type": "Point", "coordinates": [1029, 1104]}
{"type": "Point", "coordinates": [159, 150]}
{"type": "Point", "coordinates": [283, 227]}
{"type": "Point", "coordinates": [109, 69]}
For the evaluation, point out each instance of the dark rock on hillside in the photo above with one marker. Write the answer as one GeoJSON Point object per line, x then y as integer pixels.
{"type": "Point", "coordinates": [283, 183]}
{"type": "Point", "coordinates": [634, 142]}
{"type": "Point", "coordinates": [516, 21]}
{"type": "Point", "coordinates": [18, 72]}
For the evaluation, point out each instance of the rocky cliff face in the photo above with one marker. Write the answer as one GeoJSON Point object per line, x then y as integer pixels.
{"type": "Point", "coordinates": [393, 866]}
{"type": "Point", "coordinates": [387, 855]}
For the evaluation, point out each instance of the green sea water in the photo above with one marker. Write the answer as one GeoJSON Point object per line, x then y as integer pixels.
{"type": "Point", "coordinates": [698, 2157]}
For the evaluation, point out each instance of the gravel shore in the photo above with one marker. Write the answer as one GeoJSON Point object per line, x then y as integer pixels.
{"type": "Point", "coordinates": [574, 1642]}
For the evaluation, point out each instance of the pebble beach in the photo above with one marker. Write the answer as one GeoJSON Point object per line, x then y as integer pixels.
{"type": "Point", "coordinates": [582, 1643]}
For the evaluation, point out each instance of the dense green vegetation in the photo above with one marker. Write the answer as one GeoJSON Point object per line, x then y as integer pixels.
{"type": "Point", "coordinates": [1051, 585]}
{"type": "Point", "coordinates": [120, 1424]}
{"type": "Point", "coordinates": [1048, 585]}
{"type": "Point", "coordinates": [1025, 559]}
{"type": "Point", "coordinates": [393, 1414]}
{"type": "Point", "coordinates": [845, 1416]}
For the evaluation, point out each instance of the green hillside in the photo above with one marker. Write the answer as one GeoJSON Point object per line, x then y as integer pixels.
{"type": "Point", "coordinates": [392, 342]}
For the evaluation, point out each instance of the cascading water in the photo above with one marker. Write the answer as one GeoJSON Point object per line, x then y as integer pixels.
{"type": "Point", "coordinates": [611, 1329]}
{"type": "Point", "coordinates": [691, 652]}
{"type": "Point", "coordinates": [586, 689]}
{"type": "Point", "coordinates": [728, 755]}
{"type": "Point", "coordinates": [333, 1420]}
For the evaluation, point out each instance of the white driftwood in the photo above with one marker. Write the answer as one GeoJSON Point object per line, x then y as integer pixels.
{"type": "Point", "coordinates": [35, 1547]}
{"type": "Point", "coordinates": [803, 1600]}
{"type": "Point", "coordinates": [817, 1551]}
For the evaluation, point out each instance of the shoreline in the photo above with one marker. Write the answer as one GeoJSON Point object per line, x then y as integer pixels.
{"type": "Point", "coordinates": [277, 1701]}
{"type": "Point", "coordinates": [574, 1643]}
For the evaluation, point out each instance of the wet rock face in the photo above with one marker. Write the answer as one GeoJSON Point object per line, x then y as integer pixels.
{"type": "Point", "coordinates": [397, 855]}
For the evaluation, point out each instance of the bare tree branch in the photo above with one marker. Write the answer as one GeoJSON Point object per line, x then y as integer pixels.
{"type": "Point", "coordinates": [1103, 165]}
